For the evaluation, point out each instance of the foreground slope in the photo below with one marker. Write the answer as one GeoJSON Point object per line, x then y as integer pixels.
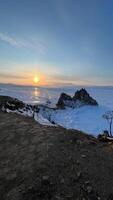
{"type": "Point", "coordinates": [51, 163]}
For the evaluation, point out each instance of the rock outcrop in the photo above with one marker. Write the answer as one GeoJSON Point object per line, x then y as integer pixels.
{"type": "Point", "coordinates": [10, 103]}
{"type": "Point", "coordinates": [65, 100]}
{"type": "Point", "coordinates": [80, 98]}
{"type": "Point", "coordinates": [84, 97]}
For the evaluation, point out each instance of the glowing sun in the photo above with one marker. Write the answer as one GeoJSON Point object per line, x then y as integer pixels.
{"type": "Point", "coordinates": [36, 79]}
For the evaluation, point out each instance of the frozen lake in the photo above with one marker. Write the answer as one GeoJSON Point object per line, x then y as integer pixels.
{"type": "Point", "coordinates": [87, 118]}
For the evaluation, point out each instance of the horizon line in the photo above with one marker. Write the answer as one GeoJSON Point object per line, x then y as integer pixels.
{"type": "Point", "coordinates": [52, 86]}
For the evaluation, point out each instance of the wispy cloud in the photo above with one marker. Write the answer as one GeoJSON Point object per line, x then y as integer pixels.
{"type": "Point", "coordinates": [12, 41]}
{"type": "Point", "coordinates": [37, 45]}
{"type": "Point", "coordinates": [30, 44]}
{"type": "Point", "coordinates": [11, 76]}
{"type": "Point", "coordinates": [69, 80]}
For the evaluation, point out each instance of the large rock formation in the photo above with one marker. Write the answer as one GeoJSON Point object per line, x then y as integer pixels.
{"type": "Point", "coordinates": [65, 100]}
{"type": "Point", "coordinates": [84, 97]}
{"type": "Point", "coordinates": [80, 98]}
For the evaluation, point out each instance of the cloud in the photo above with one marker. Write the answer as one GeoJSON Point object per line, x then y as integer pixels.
{"type": "Point", "coordinates": [12, 41]}
{"type": "Point", "coordinates": [30, 44]}
{"type": "Point", "coordinates": [37, 46]}
{"type": "Point", "coordinates": [11, 76]}
{"type": "Point", "coordinates": [65, 77]}
{"type": "Point", "coordinates": [71, 81]}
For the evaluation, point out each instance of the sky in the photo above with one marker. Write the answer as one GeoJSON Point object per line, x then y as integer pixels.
{"type": "Point", "coordinates": [62, 42]}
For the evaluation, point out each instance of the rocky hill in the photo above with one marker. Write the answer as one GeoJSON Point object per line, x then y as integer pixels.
{"type": "Point", "coordinates": [51, 163]}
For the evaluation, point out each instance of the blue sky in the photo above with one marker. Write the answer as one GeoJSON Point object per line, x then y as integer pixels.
{"type": "Point", "coordinates": [63, 42]}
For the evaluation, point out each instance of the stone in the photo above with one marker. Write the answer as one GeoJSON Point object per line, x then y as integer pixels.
{"type": "Point", "coordinates": [89, 189]}
{"type": "Point", "coordinates": [45, 178]}
{"type": "Point", "coordinates": [78, 162]}
{"type": "Point", "coordinates": [62, 180]}
{"type": "Point", "coordinates": [79, 173]}
{"type": "Point", "coordinates": [83, 156]}
{"type": "Point", "coordinates": [87, 182]}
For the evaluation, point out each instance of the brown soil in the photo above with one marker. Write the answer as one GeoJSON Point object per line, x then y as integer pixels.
{"type": "Point", "coordinates": [51, 163]}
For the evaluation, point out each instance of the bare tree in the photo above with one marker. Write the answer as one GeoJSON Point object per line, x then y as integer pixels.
{"type": "Point", "coordinates": [109, 117]}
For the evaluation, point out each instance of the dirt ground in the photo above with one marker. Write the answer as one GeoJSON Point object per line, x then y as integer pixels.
{"type": "Point", "coordinates": [51, 163]}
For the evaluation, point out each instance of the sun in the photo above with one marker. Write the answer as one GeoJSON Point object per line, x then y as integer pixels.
{"type": "Point", "coordinates": [36, 79]}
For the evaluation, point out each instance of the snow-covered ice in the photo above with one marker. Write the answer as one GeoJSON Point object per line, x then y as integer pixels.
{"type": "Point", "coordinates": [87, 118]}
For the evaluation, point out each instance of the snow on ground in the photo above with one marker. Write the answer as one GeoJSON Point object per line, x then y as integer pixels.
{"type": "Point", "coordinates": [39, 118]}
{"type": "Point", "coordinates": [87, 118]}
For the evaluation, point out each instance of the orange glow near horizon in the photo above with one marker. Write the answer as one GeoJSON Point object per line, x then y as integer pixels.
{"type": "Point", "coordinates": [30, 79]}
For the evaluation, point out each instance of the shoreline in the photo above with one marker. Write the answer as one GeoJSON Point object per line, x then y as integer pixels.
{"type": "Point", "coordinates": [87, 118]}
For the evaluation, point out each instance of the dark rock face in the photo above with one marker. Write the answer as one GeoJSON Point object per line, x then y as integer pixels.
{"type": "Point", "coordinates": [84, 97]}
{"type": "Point", "coordinates": [65, 100]}
{"type": "Point", "coordinates": [10, 103]}
{"type": "Point", "coordinates": [80, 98]}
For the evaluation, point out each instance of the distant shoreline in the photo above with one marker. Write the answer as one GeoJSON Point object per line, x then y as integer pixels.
{"type": "Point", "coordinates": [60, 86]}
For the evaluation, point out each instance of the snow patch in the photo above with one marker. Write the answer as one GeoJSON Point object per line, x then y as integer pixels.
{"type": "Point", "coordinates": [39, 118]}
